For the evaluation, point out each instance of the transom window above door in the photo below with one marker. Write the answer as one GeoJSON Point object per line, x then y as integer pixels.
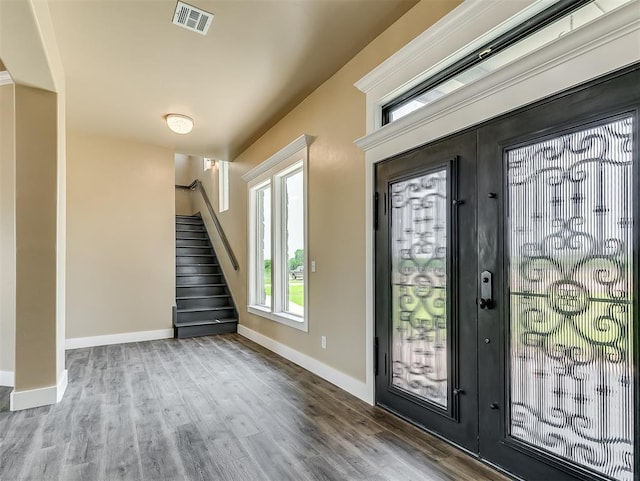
{"type": "Point", "coordinates": [464, 68]}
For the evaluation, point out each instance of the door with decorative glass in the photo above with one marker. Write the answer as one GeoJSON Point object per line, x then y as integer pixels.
{"type": "Point", "coordinates": [557, 226]}
{"type": "Point", "coordinates": [425, 306]}
{"type": "Point", "coordinates": [544, 222]}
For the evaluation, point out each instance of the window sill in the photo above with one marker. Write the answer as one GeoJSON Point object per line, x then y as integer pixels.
{"type": "Point", "coordinates": [287, 319]}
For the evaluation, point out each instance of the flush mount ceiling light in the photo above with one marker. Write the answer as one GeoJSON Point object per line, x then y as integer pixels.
{"type": "Point", "coordinates": [180, 124]}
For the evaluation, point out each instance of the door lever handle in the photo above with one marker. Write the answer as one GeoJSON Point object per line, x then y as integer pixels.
{"type": "Point", "coordinates": [486, 290]}
{"type": "Point", "coordinates": [485, 303]}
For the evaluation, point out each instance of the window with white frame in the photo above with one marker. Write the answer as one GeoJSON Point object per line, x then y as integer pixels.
{"type": "Point", "coordinates": [223, 185]}
{"type": "Point", "coordinates": [278, 236]}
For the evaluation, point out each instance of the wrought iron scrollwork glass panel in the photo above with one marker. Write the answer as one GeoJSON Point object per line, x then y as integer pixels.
{"type": "Point", "coordinates": [570, 245]}
{"type": "Point", "coordinates": [419, 250]}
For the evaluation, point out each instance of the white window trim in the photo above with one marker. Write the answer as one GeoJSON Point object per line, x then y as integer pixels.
{"type": "Point", "coordinates": [607, 44]}
{"type": "Point", "coordinates": [251, 277]}
{"type": "Point", "coordinates": [271, 171]}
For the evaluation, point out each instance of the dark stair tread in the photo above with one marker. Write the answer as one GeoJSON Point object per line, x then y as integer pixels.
{"type": "Point", "coordinates": [184, 298]}
{"type": "Point", "coordinates": [198, 265]}
{"type": "Point", "coordinates": [178, 264]}
{"type": "Point", "coordinates": [205, 309]}
{"type": "Point", "coordinates": [205, 323]}
{"type": "Point", "coordinates": [196, 274]}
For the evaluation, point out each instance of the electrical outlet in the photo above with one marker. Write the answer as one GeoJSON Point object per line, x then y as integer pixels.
{"type": "Point", "coordinates": [323, 342]}
{"type": "Point", "coordinates": [313, 266]}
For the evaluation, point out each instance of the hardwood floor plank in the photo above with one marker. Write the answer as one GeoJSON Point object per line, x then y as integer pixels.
{"type": "Point", "coordinates": [275, 462]}
{"type": "Point", "coordinates": [122, 453]}
{"type": "Point", "coordinates": [199, 462]}
{"type": "Point", "coordinates": [20, 441]}
{"type": "Point", "coordinates": [45, 464]}
{"type": "Point", "coordinates": [88, 434]}
{"type": "Point", "coordinates": [82, 472]}
{"type": "Point", "coordinates": [243, 469]}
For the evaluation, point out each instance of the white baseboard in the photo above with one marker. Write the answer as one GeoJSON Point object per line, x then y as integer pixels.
{"type": "Point", "coordinates": [62, 385]}
{"type": "Point", "coordinates": [6, 378]}
{"type": "Point", "coordinates": [353, 386]}
{"type": "Point", "coordinates": [78, 342]}
{"type": "Point", "coordinates": [39, 397]}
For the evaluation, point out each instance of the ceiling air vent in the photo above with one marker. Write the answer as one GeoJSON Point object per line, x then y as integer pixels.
{"type": "Point", "coordinates": [192, 18]}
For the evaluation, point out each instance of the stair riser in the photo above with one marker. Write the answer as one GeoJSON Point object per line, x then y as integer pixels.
{"type": "Point", "coordinates": [200, 291]}
{"type": "Point", "coordinates": [192, 242]}
{"type": "Point", "coordinates": [208, 330]}
{"type": "Point", "coordinates": [189, 260]}
{"type": "Point", "coordinates": [187, 251]}
{"type": "Point", "coordinates": [195, 280]}
{"type": "Point", "coordinates": [187, 235]}
{"type": "Point", "coordinates": [205, 315]}
{"type": "Point", "coordinates": [205, 302]}
{"type": "Point", "coordinates": [189, 227]}
{"type": "Point", "coordinates": [198, 270]}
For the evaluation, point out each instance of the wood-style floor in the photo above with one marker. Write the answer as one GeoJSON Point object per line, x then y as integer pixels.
{"type": "Point", "coordinates": [213, 408]}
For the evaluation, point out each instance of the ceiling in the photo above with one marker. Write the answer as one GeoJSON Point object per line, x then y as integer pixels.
{"type": "Point", "coordinates": [127, 65]}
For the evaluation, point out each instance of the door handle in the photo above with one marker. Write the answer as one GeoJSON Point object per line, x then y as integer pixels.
{"type": "Point", "coordinates": [486, 290]}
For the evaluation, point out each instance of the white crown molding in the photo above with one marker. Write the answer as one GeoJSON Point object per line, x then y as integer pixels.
{"type": "Point", "coordinates": [618, 24]}
{"type": "Point", "coordinates": [5, 78]}
{"type": "Point", "coordinates": [441, 35]}
{"type": "Point", "coordinates": [353, 386]}
{"type": "Point", "coordinates": [7, 378]}
{"type": "Point", "coordinates": [122, 338]}
{"type": "Point", "coordinates": [300, 143]}
{"type": "Point", "coordinates": [33, 398]}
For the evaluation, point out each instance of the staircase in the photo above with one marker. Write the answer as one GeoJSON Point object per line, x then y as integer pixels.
{"type": "Point", "coordinates": [204, 304]}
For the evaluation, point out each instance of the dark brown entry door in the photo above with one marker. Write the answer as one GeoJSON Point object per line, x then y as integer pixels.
{"type": "Point", "coordinates": [425, 288]}
{"type": "Point", "coordinates": [557, 225]}
{"type": "Point", "coordinates": [533, 309]}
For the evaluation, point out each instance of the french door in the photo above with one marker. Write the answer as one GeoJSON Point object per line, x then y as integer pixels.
{"type": "Point", "coordinates": [507, 286]}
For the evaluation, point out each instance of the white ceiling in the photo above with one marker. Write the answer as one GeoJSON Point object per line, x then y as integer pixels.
{"type": "Point", "coordinates": [127, 65]}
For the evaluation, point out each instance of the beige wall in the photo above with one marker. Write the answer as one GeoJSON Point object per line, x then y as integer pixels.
{"type": "Point", "coordinates": [7, 231]}
{"type": "Point", "coordinates": [183, 176]}
{"type": "Point", "coordinates": [120, 236]}
{"type": "Point", "coordinates": [335, 114]}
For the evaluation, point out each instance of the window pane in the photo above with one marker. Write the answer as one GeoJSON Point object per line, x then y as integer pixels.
{"type": "Point", "coordinates": [570, 247]}
{"type": "Point", "coordinates": [294, 243]}
{"type": "Point", "coordinates": [223, 185]}
{"type": "Point", "coordinates": [262, 288]}
{"type": "Point", "coordinates": [420, 255]}
{"type": "Point", "coordinates": [580, 17]}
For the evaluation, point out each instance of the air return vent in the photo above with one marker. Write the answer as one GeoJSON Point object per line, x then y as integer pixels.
{"type": "Point", "coordinates": [192, 18]}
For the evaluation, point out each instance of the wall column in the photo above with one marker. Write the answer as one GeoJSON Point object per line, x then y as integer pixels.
{"type": "Point", "coordinates": [39, 378]}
